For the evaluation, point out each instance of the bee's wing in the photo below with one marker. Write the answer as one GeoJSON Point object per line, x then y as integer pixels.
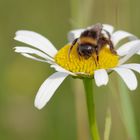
{"type": "Point", "coordinates": [106, 27]}
{"type": "Point", "coordinates": [74, 34]}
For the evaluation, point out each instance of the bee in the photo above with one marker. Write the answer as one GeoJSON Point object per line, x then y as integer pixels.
{"type": "Point", "coordinates": [92, 40]}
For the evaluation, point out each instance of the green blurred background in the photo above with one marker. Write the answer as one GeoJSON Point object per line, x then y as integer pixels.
{"type": "Point", "coordinates": [65, 116]}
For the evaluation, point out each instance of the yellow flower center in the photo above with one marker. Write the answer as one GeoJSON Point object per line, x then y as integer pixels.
{"type": "Point", "coordinates": [79, 65]}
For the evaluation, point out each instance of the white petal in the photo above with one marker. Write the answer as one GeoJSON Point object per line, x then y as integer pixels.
{"type": "Point", "coordinates": [108, 28]}
{"type": "Point", "coordinates": [48, 88]}
{"type": "Point", "coordinates": [36, 40]}
{"type": "Point", "coordinates": [74, 34]}
{"type": "Point", "coordinates": [21, 49]}
{"type": "Point", "coordinates": [124, 49]}
{"type": "Point", "coordinates": [131, 52]}
{"type": "Point", "coordinates": [60, 69]}
{"type": "Point", "coordinates": [128, 76]}
{"type": "Point", "coordinates": [133, 66]}
{"type": "Point", "coordinates": [119, 35]}
{"type": "Point", "coordinates": [101, 77]}
{"type": "Point", "coordinates": [35, 58]}
{"type": "Point", "coordinates": [138, 52]}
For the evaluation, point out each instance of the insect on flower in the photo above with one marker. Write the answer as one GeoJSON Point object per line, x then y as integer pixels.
{"type": "Point", "coordinates": [78, 58]}
{"type": "Point", "coordinates": [91, 41]}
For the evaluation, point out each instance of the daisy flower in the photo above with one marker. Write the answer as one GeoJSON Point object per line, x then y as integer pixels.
{"type": "Point", "coordinates": [41, 49]}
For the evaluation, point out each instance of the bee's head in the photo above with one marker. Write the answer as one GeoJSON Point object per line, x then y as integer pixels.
{"type": "Point", "coordinates": [86, 50]}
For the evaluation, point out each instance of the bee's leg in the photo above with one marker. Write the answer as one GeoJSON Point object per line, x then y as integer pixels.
{"type": "Point", "coordinates": [97, 54]}
{"type": "Point", "coordinates": [70, 49]}
{"type": "Point", "coordinates": [104, 41]}
{"type": "Point", "coordinates": [108, 34]}
{"type": "Point", "coordinates": [111, 47]}
{"type": "Point", "coordinates": [97, 51]}
{"type": "Point", "coordinates": [95, 60]}
{"type": "Point", "coordinates": [78, 53]}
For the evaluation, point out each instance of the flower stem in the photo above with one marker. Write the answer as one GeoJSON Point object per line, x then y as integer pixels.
{"type": "Point", "coordinates": [91, 108]}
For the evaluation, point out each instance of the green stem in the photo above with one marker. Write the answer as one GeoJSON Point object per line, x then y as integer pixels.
{"type": "Point", "coordinates": [91, 108]}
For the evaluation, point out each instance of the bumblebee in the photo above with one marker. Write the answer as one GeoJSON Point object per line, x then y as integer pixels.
{"type": "Point", "coordinates": [92, 40]}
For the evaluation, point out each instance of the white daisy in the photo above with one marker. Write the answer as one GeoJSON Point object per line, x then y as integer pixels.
{"type": "Point", "coordinates": [43, 50]}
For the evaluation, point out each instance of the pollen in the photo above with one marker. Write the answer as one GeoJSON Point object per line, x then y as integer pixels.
{"type": "Point", "coordinates": [85, 67]}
